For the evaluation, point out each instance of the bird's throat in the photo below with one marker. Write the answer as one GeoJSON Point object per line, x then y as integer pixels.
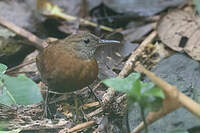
{"type": "Point", "coordinates": [86, 53]}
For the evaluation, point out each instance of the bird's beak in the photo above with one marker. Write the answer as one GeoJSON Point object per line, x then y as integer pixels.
{"type": "Point", "coordinates": [108, 41]}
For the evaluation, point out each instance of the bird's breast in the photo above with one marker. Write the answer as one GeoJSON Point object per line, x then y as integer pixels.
{"type": "Point", "coordinates": [64, 71]}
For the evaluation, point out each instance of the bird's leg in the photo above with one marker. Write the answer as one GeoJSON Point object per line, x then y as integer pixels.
{"type": "Point", "coordinates": [45, 114]}
{"type": "Point", "coordinates": [100, 102]}
{"type": "Point", "coordinates": [49, 109]}
{"type": "Point", "coordinates": [76, 109]}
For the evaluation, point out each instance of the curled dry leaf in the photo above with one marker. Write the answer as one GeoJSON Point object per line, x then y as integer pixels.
{"type": "Point", "coordinates": [180, 31]}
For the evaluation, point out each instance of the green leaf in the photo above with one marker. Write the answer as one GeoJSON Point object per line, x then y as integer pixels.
{"type": "Point", "coordinates": [147, 94]}
{"type": "Point", "coordinates": [151, 95]}
{"type": "Point", "coordinates": [3, 69]}
{"type": "Point", "coordinates": [152, 90]}
{"type": "Point", "coordinates": [151, 103]}
{"type": "Point", "coordinates": [19, 90]}
{"type": "Point", "coordinates": [146, 86]}
{"type": "Point", "coordinates": [135, 92]}
{"type": "Point", "coordinates": [197, 5]}
{"type": "Point", "coordinates": [122, 84]}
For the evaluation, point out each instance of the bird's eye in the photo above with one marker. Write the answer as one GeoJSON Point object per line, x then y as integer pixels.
{"type": "Point", "coordinates": [86, 41]}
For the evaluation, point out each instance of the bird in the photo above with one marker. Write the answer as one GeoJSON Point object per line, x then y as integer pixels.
{"type": "Point", "coordinates": [69, 65]}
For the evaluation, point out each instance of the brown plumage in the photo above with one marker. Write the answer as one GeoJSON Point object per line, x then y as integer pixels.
{"type": "Point", "coordinates": [68, 65]}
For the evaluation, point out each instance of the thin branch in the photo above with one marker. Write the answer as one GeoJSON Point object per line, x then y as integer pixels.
{"type": "Point", "coordinates": [37, 42]}
{"type": "Point", "coordinates": [80, 126]}
{"type": "Point", "coordinates": [129, 65]}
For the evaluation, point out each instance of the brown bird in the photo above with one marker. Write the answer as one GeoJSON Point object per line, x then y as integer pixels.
{"type": "Point", "coordinates": [69, 65]}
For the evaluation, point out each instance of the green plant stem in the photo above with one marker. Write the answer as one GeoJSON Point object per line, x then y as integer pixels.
{"type": "Point", "coordinates": [143, 118]}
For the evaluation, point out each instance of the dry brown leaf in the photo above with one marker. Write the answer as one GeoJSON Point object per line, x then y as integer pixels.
{"type": "Point", "coordinates": [179, 30]}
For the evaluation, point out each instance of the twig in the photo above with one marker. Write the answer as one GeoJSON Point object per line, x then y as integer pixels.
{"type": "Point", "coordinates": [39, 43]}
{"type": "Point", "coordinates": [54, 11]}
{"type": "Point", "coordinates": [121, 98]}
{"type": "Point", "coordinates": [83, 21]}
{"type": "Point", "coordinates": [97, 111]}
{"type": "Point", "coordinates": [90, 105]}
{"type": "Point", "coordinates": [42, 126]}
{"type": "Point", "coordinates": [20, 66]}
{"type": "Point", "coordinates": [129, 65]}
{"type": "Point", "coordinates": [97, 86]}
{"type": "Point", "coordinates": [78, 127]}
{"type": "Point", "coordinates": [84, 115]}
